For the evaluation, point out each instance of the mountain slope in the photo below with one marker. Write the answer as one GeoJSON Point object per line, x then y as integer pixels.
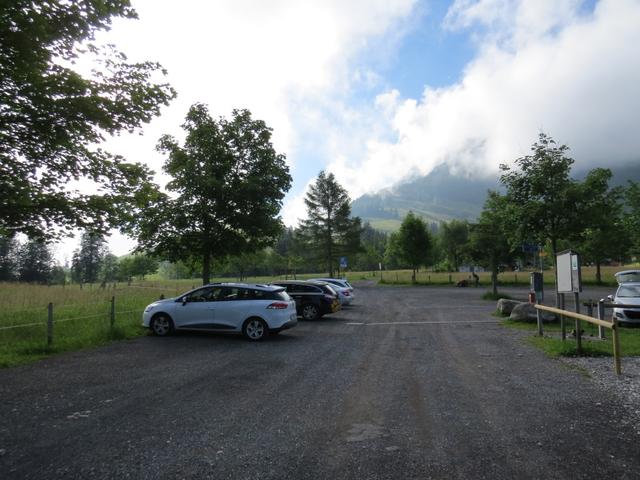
{"type": "Point", "coordinates": [435, 197]}
{"type": "Point", "coordinates": [441, 196]}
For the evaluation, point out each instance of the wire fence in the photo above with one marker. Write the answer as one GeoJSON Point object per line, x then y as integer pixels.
{"type": "Point", "coordinates": [69, 326]}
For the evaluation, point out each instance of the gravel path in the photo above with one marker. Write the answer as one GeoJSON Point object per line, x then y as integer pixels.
{"type": "Point", "coordinates": [409, 383]}
{"type": "Point", "coordinates": [626, 387]}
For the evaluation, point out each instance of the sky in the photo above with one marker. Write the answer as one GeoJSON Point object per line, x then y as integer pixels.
{"type": "Point", "coordinates": [377, 91]}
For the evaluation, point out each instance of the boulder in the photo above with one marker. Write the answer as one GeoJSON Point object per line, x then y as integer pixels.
{"type": "Point", "coordinates": [505, 305]}
{"type": "Point", "coordinates": [526, 312]}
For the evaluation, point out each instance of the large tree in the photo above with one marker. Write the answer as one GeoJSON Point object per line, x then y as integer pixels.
{"type": "Point", "coordinates": [53, 118]}
{"type": "Point", "coordinates": [88, 259]}
{"type": "Point", "coordinates": [454, 236]}
{"type": "Point", "coordinates": [414, 242]}
{"type": "Point", "coordinates": [36, 262]}
{"type": "Point", "coordinates": [603, 235]}
{"type": "Point", "coordinates": [9, 258]}
{"type": "Point", "coordinates": [543, 196]}
{"type": "Point", "coordinates": [329, 231]}
{"type": "Point", "coordinates": [488, 239]}
{"type": "Point", "coordinates": [228, 184]}
{"type": "Point", "coordinates": [631, 217]}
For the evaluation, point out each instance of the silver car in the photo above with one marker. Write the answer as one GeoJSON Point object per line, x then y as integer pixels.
{"type": "Point", "coordinates": [251, 309]}
{"type": "Point", "coordinates": [628, 293]}
{"type": "Point", "coordinates": [342, 287]}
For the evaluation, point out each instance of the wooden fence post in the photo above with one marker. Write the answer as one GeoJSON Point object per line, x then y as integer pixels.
{"type": "Point", "coordinates": [49, 324]}
{"type": "Point", "coordinates": [112, 316]}
{"type": "Point", "coordinates": [539, 318]}
{"type": "Point", "coordinates": [616, 345]}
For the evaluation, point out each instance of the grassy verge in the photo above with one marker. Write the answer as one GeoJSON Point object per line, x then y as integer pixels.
{"type": "Point", "coordinates": [551, 343]}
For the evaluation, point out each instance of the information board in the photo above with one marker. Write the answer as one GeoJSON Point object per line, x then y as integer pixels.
{"type": "Point", "coordinates": [569, 275]}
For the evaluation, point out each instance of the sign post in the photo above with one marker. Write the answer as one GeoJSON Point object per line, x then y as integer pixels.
{"type": "Point", "coordinates": [570, 281]}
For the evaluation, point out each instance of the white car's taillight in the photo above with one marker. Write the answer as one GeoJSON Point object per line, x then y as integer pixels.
{"type": "Point", "coordinates": [278, 306]}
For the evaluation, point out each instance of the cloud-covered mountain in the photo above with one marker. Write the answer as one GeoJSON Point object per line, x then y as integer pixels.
{"type": "Point", "coordinates": [442, 196]}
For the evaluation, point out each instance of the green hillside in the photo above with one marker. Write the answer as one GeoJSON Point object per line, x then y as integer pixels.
{"type": "Point", "coordinates": [436, 197]}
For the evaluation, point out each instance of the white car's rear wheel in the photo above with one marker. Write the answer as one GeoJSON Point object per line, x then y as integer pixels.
{"type": "Point", "coordinates": [255, 329]}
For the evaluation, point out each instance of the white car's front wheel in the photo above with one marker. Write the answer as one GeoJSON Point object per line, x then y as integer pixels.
{"type": "Point", "coordinates": [161, 325]}
{"type": "Point", "coordinates": [255, 329]}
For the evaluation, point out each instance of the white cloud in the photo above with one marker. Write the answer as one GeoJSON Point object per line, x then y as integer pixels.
{"type": "Point", "coordinates": [271, 57]}
{"type": "Point", "coordinates": [541, 66]}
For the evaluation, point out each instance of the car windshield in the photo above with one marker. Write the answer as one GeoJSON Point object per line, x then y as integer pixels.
{"type": "Point", "coordinates": [629, 291]}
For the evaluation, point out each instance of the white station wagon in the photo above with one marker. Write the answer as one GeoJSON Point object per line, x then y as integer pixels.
{"type": "Point", "coordinates": [251, 309]}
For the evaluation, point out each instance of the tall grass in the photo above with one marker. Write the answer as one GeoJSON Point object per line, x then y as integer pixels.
{"type": "Point", "coordinates": [81, 317]}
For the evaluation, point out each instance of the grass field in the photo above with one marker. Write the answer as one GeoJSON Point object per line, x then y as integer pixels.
{"type": "Point", "coordinates": [506, 278]}
{"type": "Point", "coordinates": [82, 315]}
{"type": "Point", "coordinates": [551, 343]}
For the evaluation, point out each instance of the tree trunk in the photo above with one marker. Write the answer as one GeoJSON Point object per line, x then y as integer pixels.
{"type": "Point", "coordinates": [598, 276]}
{"type": "Point", "coordinates": [494, 278]}
{"type": "Point", "coordinates": [413, 276]}
{"type": "Point", "coordinates": [206, 268]}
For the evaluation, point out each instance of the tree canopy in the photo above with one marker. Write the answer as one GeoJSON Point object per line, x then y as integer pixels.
{"type": "Point", "coordinates": [329, 231]}
{"type": "Point", "coordinates": [542, 194]}
{"type": "Point", "coordinates": [414, 242]}
{"type": "Point", "coordinates": [228, 183]}
{"type": "Point", "coordinates": [453, 239]}
{"type": "Point", "coordinates": [488, 238]}
{"type": "Point", "coordinates": [52, 117]}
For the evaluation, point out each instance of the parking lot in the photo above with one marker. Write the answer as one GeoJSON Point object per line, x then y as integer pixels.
{"type": "Point", "coordinates": [406, 383]}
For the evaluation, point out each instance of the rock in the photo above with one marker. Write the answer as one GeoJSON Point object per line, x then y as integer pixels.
{"type": "Point", "coordinates": [505, 306]}
{"type": "Point", "coordinates": [462, 283]}
{"type": "Point", "coordinates": [526, 312]}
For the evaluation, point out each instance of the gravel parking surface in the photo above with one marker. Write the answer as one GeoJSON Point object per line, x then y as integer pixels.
{"type": "Point", "coordinates": [408, 383]}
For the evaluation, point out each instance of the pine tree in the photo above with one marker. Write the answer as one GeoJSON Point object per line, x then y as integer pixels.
{"type": "Point", "coordinates": [9, 260]}
{"type": "Point", "coordinates": [36, 262]}
{"type": "Point", "coordinates": [330, 232]}
{"type": "Point", "coordinates": [87, 260]}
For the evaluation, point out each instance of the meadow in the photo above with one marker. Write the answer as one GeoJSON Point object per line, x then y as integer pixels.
{"type": "Point", "coordinates": [82, 314]}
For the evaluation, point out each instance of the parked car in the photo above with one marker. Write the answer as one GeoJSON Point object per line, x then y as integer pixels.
{"type": "Point", "coordinates": [628, 293]}
{"type": "Point", "coordinates": [313, 299]}
{"type": "Point", "coordinates": [344, 289]}
{"type": "Point", "coordinates": [251, 309]}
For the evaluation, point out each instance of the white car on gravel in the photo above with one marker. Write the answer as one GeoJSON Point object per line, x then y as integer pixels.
{"type": "Point", "coordinates": [251, 309]}
{"type": "Point", "coordinates": [342, 287]}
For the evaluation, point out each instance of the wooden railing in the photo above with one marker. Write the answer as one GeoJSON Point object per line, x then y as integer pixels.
{"type": "Point", "coordinates": [600, 322]}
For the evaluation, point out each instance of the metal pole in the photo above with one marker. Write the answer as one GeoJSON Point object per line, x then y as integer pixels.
{"type": "Point", "coordinates": [576, 299]}
{"type": "Point", "coordinates": [112, 316]}
{"type": "Point", "coordinates": [49, 324]}
{"type": "Point", "coordinates": [562, 325]}
{"type": "Point", "coordinates": [601, 334]}
{"type": "Point", "coordinates": [590, 308]}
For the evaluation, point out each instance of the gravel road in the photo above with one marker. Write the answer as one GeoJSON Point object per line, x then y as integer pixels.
{"type": "Point", "coordinates": [408, 383]}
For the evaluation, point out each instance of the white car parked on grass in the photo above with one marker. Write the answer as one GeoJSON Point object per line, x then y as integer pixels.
{"type": "Point", "coordinates": [251, 309]}
{"type": "Point", "coordinates": [342, 287]}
